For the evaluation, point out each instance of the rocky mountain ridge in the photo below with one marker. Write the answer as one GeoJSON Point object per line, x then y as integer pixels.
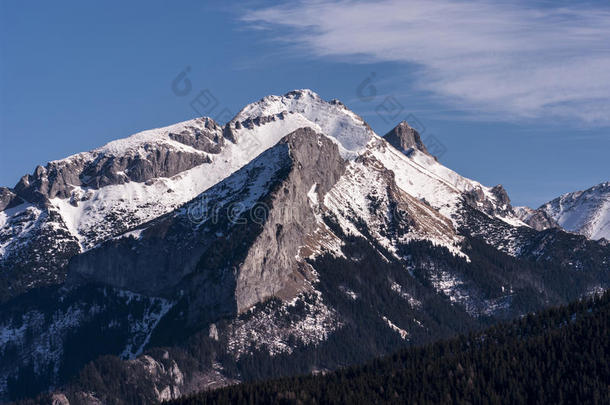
{"type": "Point", "coordinates": [583, 212]}
{"type": "Point", "coordinates": [216, 254]}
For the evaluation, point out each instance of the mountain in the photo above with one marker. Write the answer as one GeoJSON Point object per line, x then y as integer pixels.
{"type": "Point", "coordinates": [292, 239]}
{"type": "Point", "coordinates": [584, 212]}
{"type": "Point", "coordinates": [500, 365]}
{"type": "Point", "coordinates": [404, 138]}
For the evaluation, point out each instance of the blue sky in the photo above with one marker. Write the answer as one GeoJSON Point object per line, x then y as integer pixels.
{"type": "Point", "coordinates": [516, 93]}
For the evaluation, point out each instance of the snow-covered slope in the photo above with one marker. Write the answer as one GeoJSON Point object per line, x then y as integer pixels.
{"type": "Point", "coordinates": [423, 177]}
{"type": "Point", "coordinates": [305, 108]}
{"type": "Point", "coordinates": [585, 212]}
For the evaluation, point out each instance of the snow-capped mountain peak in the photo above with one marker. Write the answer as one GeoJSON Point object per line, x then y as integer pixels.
{"type": "Point", "coordinates": [585, 212]}
{"type": "Point", "coordinates": [404, 137]}
{"type": "Point", "coordinates": [291, 223]}
{"type": "Point", "coordinates": [302, 108]}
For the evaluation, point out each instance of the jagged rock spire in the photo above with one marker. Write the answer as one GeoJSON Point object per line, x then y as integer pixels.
{"type": "Point", "coordinates": [404, 137]}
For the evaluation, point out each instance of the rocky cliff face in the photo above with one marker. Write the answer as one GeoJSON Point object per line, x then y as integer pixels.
{"type": "Point", "coordinates": [8, 199]}
{"type": "Point", "coordinates": [271, 267]}
{"type": "Point", "coordinates": [263, 207]}
{"type": "Point", "coordinates": [143, 157]}
{"type": "Point", "coordinates": [537, 219]}
{"type": "Point", "coordinates": [403, 137]}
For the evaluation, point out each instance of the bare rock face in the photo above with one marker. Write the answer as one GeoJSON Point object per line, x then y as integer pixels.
{"type": "Point", "coordinates": [8, 199]}
{"type": "Point", "coordinates": [403, 137]}
{"type": "Point", "coordinates": [208, 138]}
{"type": "Point", "coordinates": [166, 378]}
{"type": "Point", "coordinates": [58, 178]}
{"type": "Point", "coordinates": [59, 399]}
{"type": "Point", "coordinates": [101, 168]}
{"type": "Point", "coordinates": [160, 379]}
{"type": "Point", "coordinates": [501, 195]}
{"type": "Point", "coordinates": [498, 204]}
{"type": "Point", "coordinates": [241, 249]}
{"type": "Point", "coordinates": [537, 219]}
{"type": "Point", "coordinates": [270, 267]}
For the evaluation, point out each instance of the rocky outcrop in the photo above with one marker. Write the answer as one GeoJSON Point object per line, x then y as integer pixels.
{"type": "Point", "coordinates": [537, 219]}
{"type": "Point", "coordinates": [501, 195]}
{"type": "Point", "coordinates": [158, 379]}
{"type": "Point", "coordinates": [255, 241]}
{"type": "Point", "coordinates": [207, 138]}
{"type": "Point", "coordinates": [403, 137]}
{"type": "Point", "coordinates": [59, 399]}
{"type": "Point", "coordinates": [8, 199]}
{"type": "Point", "coordinates": [146, 160]}
{"type": "Point", "coordinates": [496, 204]}
{"type": "Point", "coordinates": [166, 378]}
{"type": "Point", "coordinates": [270, 268]}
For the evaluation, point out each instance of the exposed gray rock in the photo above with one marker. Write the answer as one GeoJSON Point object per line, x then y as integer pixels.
{"type": "Point", "coordinates": [270, 267]}
{"type": "Point", "coordinates": [8, 199]}
{"type": "Point", "coordinates": [501, 195]}
{"type": "Point", "coordinates": [403, 137]}
{"type": "Point", "coordinates": [208, 139]}
{"type": "Point", "coordinates": [537, 219]}
{"type": "Point", "coordinates": [59, 399]}
{"type": "Point", "coordinates": [99, 168]}
{"type": "Point", "coordinates": [160, 380]}
{"type": "Point", "coordinates": [238, 261]}
{"type": "Point", "coordinates": [498, 205]}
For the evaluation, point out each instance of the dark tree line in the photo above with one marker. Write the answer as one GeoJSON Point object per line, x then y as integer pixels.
{"type": "Point", "coordinates": [556, 356]}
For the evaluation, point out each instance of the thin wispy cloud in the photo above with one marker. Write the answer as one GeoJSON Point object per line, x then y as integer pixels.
{"type": "Point", "coordinates": [514, 61]}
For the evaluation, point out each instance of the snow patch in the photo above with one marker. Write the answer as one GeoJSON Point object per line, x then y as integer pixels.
{"type": "Point", "coordinates": [403, 333]}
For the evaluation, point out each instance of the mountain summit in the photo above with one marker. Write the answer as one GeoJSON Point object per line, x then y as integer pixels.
{"type": "Point", "coordinates": [291, 240]}
{"type": "Point", "coordinates": [584, 212]}
{"type": "Point", "coordinates": [403, 137]}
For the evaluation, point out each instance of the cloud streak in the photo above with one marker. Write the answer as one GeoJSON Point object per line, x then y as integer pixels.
{"type": "Point", "coordinates": [513, 61]}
